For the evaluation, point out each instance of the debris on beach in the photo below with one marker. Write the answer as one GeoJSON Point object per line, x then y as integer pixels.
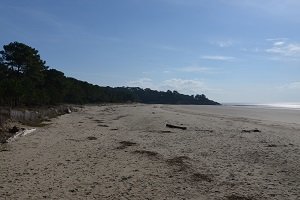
{"type": "Point", "coordinates": [14, 129]}
{"type": "Point", "coordinates": [22, 132]}
{"type": "Point", "coordinates": [29, 117]}
{"type": "Point", "coordinates": [165, 131]}
{"type": "Point", "coordinates": [25, 132]}
{"type": "Point", "coordinates": [91, 138]}
{"type": "Point", "coordinates": [67, 110]}
{"type": "Point", "coordinates": [251, 131]}
{"type": "Point", "coordinates": [98, 120]}
{"type": "Point", "coordinates": [103, 125]}
{"type": "Point", "coordinates": [174, 126]}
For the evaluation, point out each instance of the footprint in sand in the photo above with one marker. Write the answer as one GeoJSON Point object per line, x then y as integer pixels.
{"type": "Point", "coordinates": [125, 144]}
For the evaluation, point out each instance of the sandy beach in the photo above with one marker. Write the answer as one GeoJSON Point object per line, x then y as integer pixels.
{"type": "Point", "coordinates": [127, 152]}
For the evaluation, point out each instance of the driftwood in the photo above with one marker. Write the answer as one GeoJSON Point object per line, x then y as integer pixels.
{"type": "Point", "coordinates": [251, 131]}
{"type": "Point", "coordinates": [174, 126]}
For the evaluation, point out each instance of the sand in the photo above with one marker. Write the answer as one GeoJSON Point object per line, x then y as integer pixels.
{"type": "Point", "coordinates": [126, 152]}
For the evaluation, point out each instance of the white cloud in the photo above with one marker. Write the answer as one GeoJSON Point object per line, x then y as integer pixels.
{"type": "Point", "coordinates": [221, 58]}
{"type": "Point", "coordinates": [225, 43]}
{"type": "Point", "coordinates": [255, 49]}
{"type": "Point", "coordinates": [285, 49]}
{"type": "Point", "coordinates": [279, 43]}
{"type": "Point", "coordinates": [185, 86]}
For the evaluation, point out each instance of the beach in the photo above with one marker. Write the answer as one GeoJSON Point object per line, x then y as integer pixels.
{"type": "Point", "coordinates": [127, 152]}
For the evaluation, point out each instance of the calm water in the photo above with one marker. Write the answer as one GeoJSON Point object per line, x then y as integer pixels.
{"type": "Point", "coordinates": [290, 106]}
{"type": "Point", "coordinates": [284, 105]}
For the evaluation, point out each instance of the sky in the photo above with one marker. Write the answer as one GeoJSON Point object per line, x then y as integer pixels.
{"type": "Point", "coordinates": [230, 50]}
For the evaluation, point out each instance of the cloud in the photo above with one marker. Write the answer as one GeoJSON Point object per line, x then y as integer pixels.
{"type": "Point", "coordinates": [255, 49]}
{"type": "Point", "coordinates": [226, 43]}
{"type": "Point", "coordinates": [285, 49]}
{"type": "Point", "coordinates": [279, 43]}
{"type": "Point", "coordinates": [143, 83]}
{"type": "Point", "coordinates": [185, 86]}
{"type": "Point", "coordinates": [221, 58]}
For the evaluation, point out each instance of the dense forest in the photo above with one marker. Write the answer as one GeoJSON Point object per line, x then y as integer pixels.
{"type": "Point", "coordinates": [25, 80]}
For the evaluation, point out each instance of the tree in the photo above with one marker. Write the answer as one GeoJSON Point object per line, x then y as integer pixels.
{"type": "Point", "coordinates": [22, 59]}
{"type": "Point", "coordinates": [55, 83]}
{"type": "Point", "coordinates": [24, 70]}
{"type": "Point", "coordinates": [3, 71]}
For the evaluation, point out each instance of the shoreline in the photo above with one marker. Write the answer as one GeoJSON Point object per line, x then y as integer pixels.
{"type": "Point", "coordinates": [272, 114]}
{"type": "Point", "coordinates": [126, 151]}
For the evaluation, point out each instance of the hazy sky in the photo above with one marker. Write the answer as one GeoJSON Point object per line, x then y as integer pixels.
{"type": "Point", "coordinates": [230, 50]}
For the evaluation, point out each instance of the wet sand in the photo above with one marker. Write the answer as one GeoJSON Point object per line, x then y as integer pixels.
{"type": "Point", "coordinates": [127, 152]}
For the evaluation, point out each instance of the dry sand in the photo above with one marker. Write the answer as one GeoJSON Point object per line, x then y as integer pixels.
{"type": "Point", "coordinates": [126, 152]}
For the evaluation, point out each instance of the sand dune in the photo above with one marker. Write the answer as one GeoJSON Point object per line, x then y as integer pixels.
{"type": "Point", "coordinates": [127, 152]}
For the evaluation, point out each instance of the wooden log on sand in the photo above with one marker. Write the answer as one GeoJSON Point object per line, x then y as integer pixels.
{"type": "Point", "coordinates": [174, 126]}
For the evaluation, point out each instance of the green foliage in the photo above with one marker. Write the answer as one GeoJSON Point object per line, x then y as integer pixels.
{"type": "Point", "coordinates": [55, 86]}
{"type": "Point", "coordinates": [23, 59]}
{"type": "Point", "coordinates": [25, 80]}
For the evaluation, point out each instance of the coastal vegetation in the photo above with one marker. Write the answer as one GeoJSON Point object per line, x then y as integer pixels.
{"type": "Point", "coordinates": [26, 80]}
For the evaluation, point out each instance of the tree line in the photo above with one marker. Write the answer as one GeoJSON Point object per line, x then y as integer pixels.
{"type": "Point", "coordinates": [25, 80]}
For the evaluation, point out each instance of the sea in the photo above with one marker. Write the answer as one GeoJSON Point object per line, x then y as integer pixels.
{"type": "Point", "coordinates": [289, 105]}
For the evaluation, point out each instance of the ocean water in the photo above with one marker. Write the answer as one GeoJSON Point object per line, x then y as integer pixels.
{"type": "Point", "coordinates": [290, 106]}
{"type": "Point", "coordinates": [283, 105]}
